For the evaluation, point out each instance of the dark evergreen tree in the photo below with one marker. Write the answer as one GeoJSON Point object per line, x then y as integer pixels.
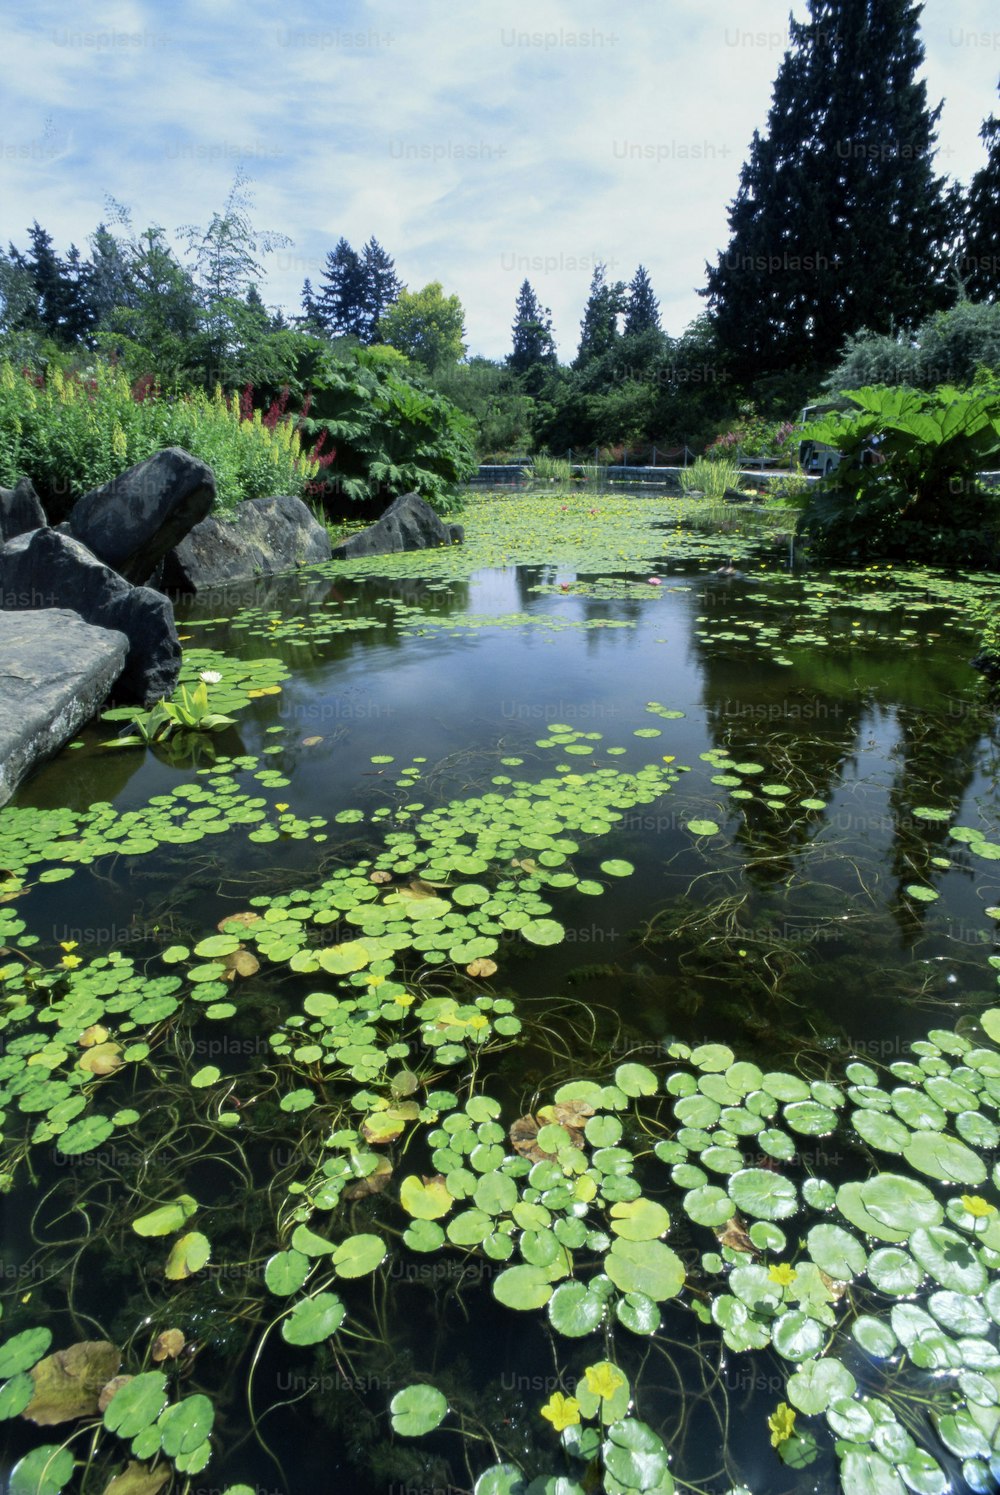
{"type": "Point", "coordinates": [979, 266]}
{"type": "Point", "coordinates": [311, 319]}
{"type": "Point", "coordinates": [839, 222]}
{"type": "Point", "coordinates": [61, 309]}
{"type": "Point", "coordinates": [642, 310]}
{"type": "Point", "coordinates": [599, 328]}
{"type": "Point", "coordinates": [533, 349]}
{"type": "Point", "coordinates": [382, 286]}
{"type": "Point", "coordinates": [342, 299]}
{"type": "Point", "coordinates": [109, 277]}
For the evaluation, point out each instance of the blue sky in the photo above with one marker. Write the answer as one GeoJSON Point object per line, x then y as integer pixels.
{"type": "Point", "coordinates": [479, 142]}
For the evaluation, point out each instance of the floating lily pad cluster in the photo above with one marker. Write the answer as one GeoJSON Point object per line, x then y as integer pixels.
{"type": "Point", "coordinates": [219, 799]}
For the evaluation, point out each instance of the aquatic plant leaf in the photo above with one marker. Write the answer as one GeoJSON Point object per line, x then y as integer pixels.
{"type": "Point", "coordinates": [893, 1271]}
{"type": "Point", "coordinates": [874, 1336]}
{"type": "Point", "coordinates": [15, 1395]}
{"type": "Point", "coordinates": [501, 1479]}
{"type": "Point", "coordinates": [819, 1383]}
{"type": "Point", "coordinates": [898, 1202]}
{"type": "Point", "coordinates": [636, 1458]}
{"type": "Point", "coordinates": [796, 1336]}
{"type": "Point", "coordinates": [139, 1479]}
{"type": "Point", "coordinates": [136, 1404]}
{"type": "Point", "coordinates": [43, 1471]}
{"type": "Point", "coordinates": [187, 1256]}
{"type": "Point", "coordinates": [417, 1409]}
{"type": "Point", "coordinates": [166, 1218]}
{"type": "Point", "coordinates": [285, 1272]}
{"type": "Point", "coordinates": [425, 1198]}
{"type": "Point", "coordinates": [67, 1385]}
{"type": "Point", "coordinates": [313, 1319]}
{"type": "Point", "coordinates": [543, 932]}
{"type": "Point", "coordinates": [836, 1252]}
{"type": "Point", "coordinates": [85, 1135]}
{"type": "Point", "coordinates": [524, 1287]}
{"type": "Point", "coordinates": [359, 1255]}
{"type": "Point", "coordinates": [185, 1425]}
{"type": "Point", "coordinates": [167, 1345]}
{"type": "Point", "coordinates": [639, 1220]}
{"type": "Point", "coordinates": [647, 1267]}
{"type": "Point", "coordinates": [24, 1350]}
{"type": "Point", "coordinates": [574, 1310]}
{"type": "Point", "coordinates": [703, 827]}
{"type": "Point", "coordinates": [944, 1157]}
{"type": "Point", "coordinates": [766, 1195]}
{"type": "Point", "coordinates": [949, 1257]}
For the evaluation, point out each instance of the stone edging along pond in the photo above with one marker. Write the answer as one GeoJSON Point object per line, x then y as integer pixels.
{"type": "Point", "coordinates": [123, 546]}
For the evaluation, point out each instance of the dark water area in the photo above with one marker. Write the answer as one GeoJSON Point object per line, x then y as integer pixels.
{"type": "Point", "coordinates": [787, 933]}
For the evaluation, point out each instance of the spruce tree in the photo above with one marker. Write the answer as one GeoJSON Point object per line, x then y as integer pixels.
{"type": "Point", "coordinates": [839, 222]}
{"type": "Point", "coordinates": [533, 345]}
{"type": "Point", "coordinates": [642, 310]}
{"type": "Point", "coordinates": [599, 328]}
{"type": "Point", "coordinates": [341, 302]}
{"type": "Point", "coordinates": [382, 287]}
{"type": "Point", "coordinates": [979, 266]}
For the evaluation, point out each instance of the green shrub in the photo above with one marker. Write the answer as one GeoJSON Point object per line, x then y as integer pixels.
{"type": "Point", "coordinates": [70, 434]}
{"type": "Point", "coordinates": [549, 470]}
{"type": "Point", "coordinates": [908, 483]}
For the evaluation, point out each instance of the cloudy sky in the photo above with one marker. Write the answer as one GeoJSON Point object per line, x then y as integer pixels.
{"type": "Point", "coordinates": [480, 142]}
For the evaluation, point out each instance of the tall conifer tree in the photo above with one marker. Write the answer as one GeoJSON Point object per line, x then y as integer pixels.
{"type": "Point", "coordinates": [840, 222]}
{"type": "Point", "coordinates": [533, 345]}
{"type": "Point", "coordinates": [980, 263]}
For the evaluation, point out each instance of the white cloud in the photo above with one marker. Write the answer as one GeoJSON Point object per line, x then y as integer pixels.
{"type": "Point", "coordinates": [478, 144]}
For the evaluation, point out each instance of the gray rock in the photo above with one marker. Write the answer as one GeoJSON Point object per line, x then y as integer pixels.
{"type": "Point", "coordinates": [20, 510]}
{"type": "Point", "coordinates": [49, 570]}
{"type": "Point", "coordinates": [55, 672]}
{"type": "Point", "coordinates": [131, 522]}
{"type": "Point", "coordinates": [409, 523]}
{"type": "Point", "coordinates": [265, 537]}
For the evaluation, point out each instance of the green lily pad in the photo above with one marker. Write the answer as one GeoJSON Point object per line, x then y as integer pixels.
{"type": "Point", "coordinates": [417, 1409]}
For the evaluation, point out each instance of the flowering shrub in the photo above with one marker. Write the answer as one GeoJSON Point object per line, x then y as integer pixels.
{"type": "Point", "coordinates": [70, 433]}
{"type": "Point", "coordinates": [754, 437]}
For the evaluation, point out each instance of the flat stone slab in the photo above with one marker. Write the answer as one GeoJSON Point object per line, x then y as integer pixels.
{"type": "Point", "coordinates": [55, 673]}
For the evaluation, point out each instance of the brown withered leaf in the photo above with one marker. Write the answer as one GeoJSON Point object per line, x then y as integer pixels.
{"type": "Point", "coordinates": [573, 1115]}
{"type": "Point", "coordinates": [481, 967]}
{"type": "Point", "coordinates": [168, 1345]}
{"type": "Point", "coordinates": [108, 1391]}
{"type": "Point", "coordinates": [102, 1059]}
{"type": "Point", "coordinates": [733, 1234]}
{"type": "Point", "coordinates": [380, 877]}
{"type": "Point", "coordinates": [246, 918]}
{"type": "Point", "coordinates": [523, 1134]}
{"type": "Point", "coordinates": [526, 864]}
{"type": "Point", "coordinates": [373, 1184]}
{"type": "Point", "coordinates": [94, 1034]}
{"type": "Point", "coordinates": [138, 1479]}
{"type": "Point", "coordinates": [68, 1384]}
{"type": "Point", "coordinates": [311, 741]}
{"type": "Point", "coordinates": [241, 962]}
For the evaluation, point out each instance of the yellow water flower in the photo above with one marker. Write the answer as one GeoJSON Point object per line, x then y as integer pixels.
{"type": "Point", "coordinates": [978, 1206]}
{"type": "Point", "coordinates": [603, 1380]}
{"type": "Point", "coordinates": [68, 944]}
{"type": "Point", "coordinates": [782, 1424]}
{"type": "Point", "coordinates": [70, 962]}
{"type": "Point", "coordinates": [783, 1274]}
{"type": "Point", "coordinates": [562, 1411]}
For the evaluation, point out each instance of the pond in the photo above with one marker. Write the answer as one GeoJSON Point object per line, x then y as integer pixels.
{"type": "Point", "coordinates": [549, 1035]}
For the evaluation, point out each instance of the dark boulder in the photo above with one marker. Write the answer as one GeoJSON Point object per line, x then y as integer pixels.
{"type": "Point", "coordinates": [55, 673]}
{"type": "Point", "coordinates": [409, 523]}
{"type": "Point", "coordinates": [131, 522]}
{"type": "Point", "coordinates": [46, 570]}
{"type": "Point", "coordinates": [265, 537]}
{"type": "Point", "coordinates": [20, 510]}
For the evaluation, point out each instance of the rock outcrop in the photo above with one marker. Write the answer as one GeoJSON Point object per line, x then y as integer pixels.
{"type": "Point", "coordinates": [44, 569]}
{"type": "Point", "coordinates": [132, 522]}
{"type": "Point", "coordinates": [409, 523]}
{"type": "Point", "coordinates": [55, 672]}
{"type": "Point", "coordinates": [20, 510]}
{"type": "Point", "coordinates": [265, 537]}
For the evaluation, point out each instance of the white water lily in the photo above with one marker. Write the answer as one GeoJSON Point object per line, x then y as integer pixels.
{"type": "Point", "coordinates": [210, 677]}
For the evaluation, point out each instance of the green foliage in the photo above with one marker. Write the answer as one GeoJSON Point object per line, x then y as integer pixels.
{"type": "Point", "coordinates": [710, 477]}
{"type": "Point", "coordinates": [390, 433]}
{"type": "Point", "coordinates": [426, 325]}
{"type": "Point", "coordinates": [952, 347]}
{"type": "Point", "coordinates": [908, 484]}
{"type": "Point", "coordinates": [494, 398]}
{"type": "Point", "coordinates": [979, 265]}
{"type": "Point", "coordinates": [842, 177]}
{"type": "Point", "coordinates": [70, 434]}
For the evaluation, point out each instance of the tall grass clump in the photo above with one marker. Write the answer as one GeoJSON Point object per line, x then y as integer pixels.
{"type": "Point", "coordinates": [710, 477]}
{"type": "Point", "coordinates": [69, 433]}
